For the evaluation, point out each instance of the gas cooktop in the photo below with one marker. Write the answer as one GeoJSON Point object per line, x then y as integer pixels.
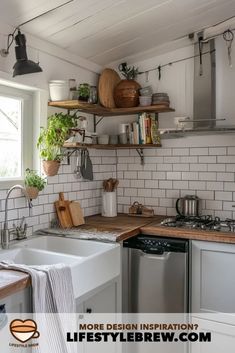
{"type": "Point", "coordinates": [201, 222]}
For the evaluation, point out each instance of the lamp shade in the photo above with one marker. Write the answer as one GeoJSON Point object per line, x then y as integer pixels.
{"type": "Point", "coordinates": [23, 66]}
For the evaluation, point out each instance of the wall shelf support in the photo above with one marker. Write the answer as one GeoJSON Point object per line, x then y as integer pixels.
{"type": "Point", "coordinates": [97, 121]}
{"type": "Point", "coordinates": [140, 152]}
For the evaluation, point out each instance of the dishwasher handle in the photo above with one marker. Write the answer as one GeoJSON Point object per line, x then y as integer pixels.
{"type": "Point", "coordinates": [157, 251]}
{"type": "Point", "coordinates": [156, 255]}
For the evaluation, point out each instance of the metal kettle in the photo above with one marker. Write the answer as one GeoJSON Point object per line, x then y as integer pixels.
{"type": "Point", "coordinates": [188, 206]}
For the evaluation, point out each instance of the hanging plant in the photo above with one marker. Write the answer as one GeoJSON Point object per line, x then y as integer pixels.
{"type": "Point", "coordinates": [51, 141]}
{"type": "Point", "coordinates": [34, 183]}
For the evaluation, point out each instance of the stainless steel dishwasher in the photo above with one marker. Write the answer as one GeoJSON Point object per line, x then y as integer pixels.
{"type": "Point", "coordinates": [155, 275]}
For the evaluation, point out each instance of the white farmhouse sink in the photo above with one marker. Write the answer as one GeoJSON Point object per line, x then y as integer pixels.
{"type": "Point", "coordinates": [92, 263]}
{"type": "Point", "coordinates": [70, 246]}
{"type": "Point", "coordinates": [34, 257]}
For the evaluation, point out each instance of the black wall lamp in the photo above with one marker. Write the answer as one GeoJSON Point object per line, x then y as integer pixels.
{"type": "Point", "coordinates": [23, 65]}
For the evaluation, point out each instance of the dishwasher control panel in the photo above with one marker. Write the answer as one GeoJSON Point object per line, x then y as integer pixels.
{"type": "Point", "coordinates": [148, 243]}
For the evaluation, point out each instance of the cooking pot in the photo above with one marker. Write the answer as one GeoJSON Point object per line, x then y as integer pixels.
{"type": "Point", "coordinates": [188, 206]}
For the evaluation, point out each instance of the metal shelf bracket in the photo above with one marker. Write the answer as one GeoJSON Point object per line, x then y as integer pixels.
{"type": "Point", "coordinates": [140, 152]}
{"type": "Point", "coordinates": [96, 122]}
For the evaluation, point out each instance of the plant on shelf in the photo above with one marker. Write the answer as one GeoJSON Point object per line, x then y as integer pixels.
{"type": "Point", "coordinates": [51, 141]}
{"type": "Point", "coordinates": [84, 92]}
{"type": "Point", "coordinates": [129, 72]}
{"type": "Point", "coordinates": [126, 93]}
{"type": "Point", "coordinates": [33, 183]}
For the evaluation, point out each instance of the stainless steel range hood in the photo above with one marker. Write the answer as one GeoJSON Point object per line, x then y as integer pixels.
{"type": "Point", "coordinates": [204, 102]}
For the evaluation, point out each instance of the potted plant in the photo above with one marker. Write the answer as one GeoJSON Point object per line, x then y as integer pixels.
{"type": "Point", "coordinates": [33, 183]}
{"type": "Point", "coordinates": [84, 92]}
{"type": "Point", "coordinates": [126, 93]}
{"type": "Point", "coordinates": [51, 141]}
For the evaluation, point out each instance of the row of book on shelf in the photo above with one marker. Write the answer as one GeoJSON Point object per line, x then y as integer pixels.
{"type": "Point", "coordinates": [145, 130]}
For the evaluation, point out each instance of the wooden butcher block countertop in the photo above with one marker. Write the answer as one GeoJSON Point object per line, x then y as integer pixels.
{"type": "Point", "coordinates": [124, 225]}
{"type": "Point", "coordinates": [155, 228]}
{"type": "Point", "coordinates": [12, 282]}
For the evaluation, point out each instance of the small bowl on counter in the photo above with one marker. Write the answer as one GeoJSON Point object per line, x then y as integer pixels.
{"type": "Point", "coordinates": [103, 139]}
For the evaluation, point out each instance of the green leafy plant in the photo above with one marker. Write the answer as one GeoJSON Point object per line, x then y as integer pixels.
{"type": "Point", "coordinates": [52, 138]}
{"type": "Point", "coordinates": [84, 91]}
{"type": "Point", "coordinates": [129, 72]}
{"type": "Point", "coordinates": [32, 179]}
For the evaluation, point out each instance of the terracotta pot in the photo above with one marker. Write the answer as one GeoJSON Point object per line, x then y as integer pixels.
{"type": "Point", "coordinates": [126, 94]}
{"type": "Point", "coordinates": [32, 192]}
{"type": "Point", "coordinates": [50, 167]}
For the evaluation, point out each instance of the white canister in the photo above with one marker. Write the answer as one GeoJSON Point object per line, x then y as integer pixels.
{"type": "Point", "coordinates": [109, 204]}
{"type": "Point", "coordinates": [59, 90]}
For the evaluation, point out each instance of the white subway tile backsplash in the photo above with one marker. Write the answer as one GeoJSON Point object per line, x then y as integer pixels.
{"type": "Point", "coordinates": [223, 195]}
{"type": "Point", "coordinates": [144, 175]}
{"type": "Point", "coordinates": [231, 150]}
{"type": "Point", "coordinates": [180, 151]}
{"type": "Point", "coordinates": [159, 175]}
{"type": "Point", "coordinates": [171, 159]}
{"type": "Point", "coordinates": [207, 176]}
{"type": "Point", "coordinates": [225, 176]}
{"type": "Point", "coordinates": [228, 206]}
{"type": "Point", "coordinates": [144, 192]}
{"type": "Point", "coordinates": [199, 167]}
{"type": "Point", "coordinates": [216, 151]}
{"type": "Point", "coordinates": [199, 151]}
{"type": "Point", "coordinates": [165, 184]}
{"type": "Point", "coordinates": [216, 167]}
{"type": "Point", "coordinates": [189, 176]}
{"type": "Point", "coordinates": [152, 184]}
{"type": "Point", "coordinates": [167, 174]}
{"type": "Point", "coordinates": [189, 159]}
{"type": "Point", "coordinates": [215, 185]}
{"type": "Point", "coordinates": [178, 185]}
{"type": "Point", "coordinates": [164, 167]}
{"type": "Point", "coordinates": [209, 159]}
{"type": "Point", "coordinates": [226, 159]}
{"type": "Point", "coordinates": [197, 185]}
{"type": "Point", "coordinates": [181, 167]}
{"type": "Point", "coordinates": [137, 183]}
{"type": "Point", "coordinates": [229, 186]}
{"type": "Point", "coordinates": [206, 195]}
{"type": "Point", "coordinates": [173, 175]}
{"type": "Point", "coordinates": [214, 205]}
{"type": "Point", "coordinates": [130, 175]}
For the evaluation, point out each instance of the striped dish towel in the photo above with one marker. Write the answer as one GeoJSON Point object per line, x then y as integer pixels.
{"type": "Point", "coordinates": [52, 298]}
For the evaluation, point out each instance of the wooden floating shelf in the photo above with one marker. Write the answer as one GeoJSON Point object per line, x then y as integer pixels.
{"type": "Point", "coordinates": [97, 109]}
{"type": "Point", "coordinates": [109, 147]}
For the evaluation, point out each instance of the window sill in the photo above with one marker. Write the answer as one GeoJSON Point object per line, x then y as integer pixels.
{"type": "Point", "coordinates": [8, 183]}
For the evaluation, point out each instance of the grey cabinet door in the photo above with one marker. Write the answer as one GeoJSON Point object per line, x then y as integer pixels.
{"type": "Point", "coordinates": [213, 277]}
{"type": "Point", "coordinates": [20, 302]}
{"type": "Point", "coordinates": [105, 301]}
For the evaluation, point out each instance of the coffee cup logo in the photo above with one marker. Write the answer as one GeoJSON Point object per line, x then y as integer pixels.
{"type": "Point", "coordinates": [23, 331]}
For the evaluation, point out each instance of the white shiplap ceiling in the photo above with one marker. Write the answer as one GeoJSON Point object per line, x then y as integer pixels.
{"type": "Point", "coordinates": [104, 31]}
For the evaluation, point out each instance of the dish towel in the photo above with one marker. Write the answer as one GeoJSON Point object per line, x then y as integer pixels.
{"type": "Point", "coordinates": [52, 294]}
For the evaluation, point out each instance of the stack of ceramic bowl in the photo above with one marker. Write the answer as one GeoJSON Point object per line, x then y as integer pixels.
{"type": "Point", "coordinates": [161, 99]}
{"type": "Point", "coordinates": [145, 96]}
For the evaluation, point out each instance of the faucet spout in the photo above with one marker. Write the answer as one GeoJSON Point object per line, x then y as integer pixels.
{"type": "Point", "coordinates": [5, 234]}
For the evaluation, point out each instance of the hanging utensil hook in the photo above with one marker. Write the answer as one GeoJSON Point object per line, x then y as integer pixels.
{"type": "Point", "coordinates": [228, 36]}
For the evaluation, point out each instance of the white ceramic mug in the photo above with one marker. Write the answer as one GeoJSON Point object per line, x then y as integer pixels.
{"type": "Point", "coordinates": [109, 204]}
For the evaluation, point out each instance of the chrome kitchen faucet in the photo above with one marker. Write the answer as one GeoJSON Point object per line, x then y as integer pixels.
{"type": "Point", "coordinates": [5, 233]}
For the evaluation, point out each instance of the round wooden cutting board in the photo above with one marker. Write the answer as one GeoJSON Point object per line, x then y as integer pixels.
{"type": "Point", "coordinates": [107, 82]}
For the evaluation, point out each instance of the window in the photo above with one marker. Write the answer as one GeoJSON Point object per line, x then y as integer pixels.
{"type": "Point", "coordinates": [15, 133]}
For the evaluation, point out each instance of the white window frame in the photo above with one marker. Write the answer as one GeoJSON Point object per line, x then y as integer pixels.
{"type": "Point", "coordinates": [27, 135]}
